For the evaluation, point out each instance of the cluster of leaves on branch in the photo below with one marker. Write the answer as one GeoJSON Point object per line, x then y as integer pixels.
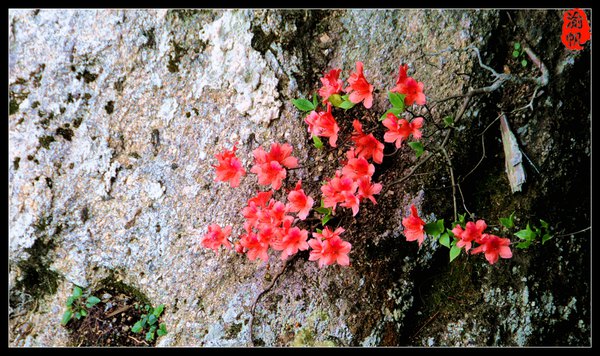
{"type": "Point", "coordinates": [270, 223]}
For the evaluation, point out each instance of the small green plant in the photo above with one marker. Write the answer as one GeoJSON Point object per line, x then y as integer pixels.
{"type": "Point", "coordinates": [518, 54]}
{"type": "Point", "coordinates": [76, 307]}
{"type": "Point", "coordinates": [528, 235]}
{"type": "Point", "coordinates": [149, 322]}
{"type": "Point", "coordinates": [325, 211]}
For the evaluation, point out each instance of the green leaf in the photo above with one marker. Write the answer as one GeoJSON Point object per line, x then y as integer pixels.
{"type": "Point", "coordinates": [435, 228]}
{"type": "Point", "coordinates": [508, 222]}
{"type": "Point", "coordinates": [144, 320]}
{"type": "Point", "coordinates": [317, 142]}
{"type": "Point", "coordinates": [83, 312]}
{"type": "Point", "coordinates": [163, 330]}
{"type": "Point", "coordinates": [335, 100]}
{"type": "Point", "coordinates": [78, 315]}
{"type": "Point", "coordinates": [325, 219]}
{"type": "Point", "coordinates": [397, 100]}
{"type": "Point", "coordinates": [77, 292]}
{"type": "Point", "coordinates": [91, 301]}
{"type": "Point", "coordinates": [448, 121]}
{"type": "Point", "coordinates": [347, 104]}
{"type": "Point", "coordinates": [152, 319]}
{"type": "Point", "coordinates": [526, 234]}
{"type": "Point", "coordinates": [158, 311]}
{"type": "Point", "coordinates": [319, 231]}
{"type": "Point", "coordinates": [515, 54]}
{"type": "Point", "coordinates": [70, 301]}
{"type": "Point", "coordinates": [461, 219]}
{"type": "Point", "coordinates": [314, 102]}
{"type": "Point", "coordinates": [524, 63]}
{"type": "Point", "coordinates": [545, 225]}
{"type": "Point", "coordinates": [146, 307]}
{"type": "Point", "coordinates": [152, 329]}
{"type": "Point", "coordinates": [445, 240]}
{"type": "Point", "coordinates": [322, 210]}
{"type": "Point", "coordinates": [545, 238]}
{"type": "Point", "coordinates": [303, 104]}
{"type": "Point", "coordinates": [395, 111]}
{"type": "Point", "coordinates": [66, 317]}
{"type": "Point", "coordinates": [149, 336]}
{"type": "Point", "coordinates": [137, 327]}
{"type": "Point", "coordinates": [517, 45]}
{"type": "Point", "coordinates": [417, 147]}
{"type": "Point", "coordinates": [454, 252]}
{"type": "Point", "coordinates": [523, 244]}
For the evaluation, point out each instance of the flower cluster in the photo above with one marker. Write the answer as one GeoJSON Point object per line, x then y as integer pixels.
{"type": "Point", "coordinates": [491, 245]}
{"type": "Point", "coordinates": [268, 225]}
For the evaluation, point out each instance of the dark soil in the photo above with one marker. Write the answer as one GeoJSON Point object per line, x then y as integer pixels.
{"type": "Point", "coordinates": [109, 322]}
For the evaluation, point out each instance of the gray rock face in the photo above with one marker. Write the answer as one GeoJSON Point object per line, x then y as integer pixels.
{"type": "Point", "coordinates": [115, 118]}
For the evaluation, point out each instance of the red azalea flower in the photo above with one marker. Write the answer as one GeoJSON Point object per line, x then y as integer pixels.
{"type": "Point", "coordinates": [255, 246]}
{"type": "Point", "coordinates": [366, 189]}
{"type": "Point", "coordinates": [327, 233]}
{"type": "Point", "coordinates": [413, 226]}
{"type": "Point", "coordinates": [327, 248]}
{"type": "Point", "coordinates": [215, 237]}
{"type": "Point", "coordinates": [336, 250]}
{"type": "Point", "coordinates": [229, 167]}
{"type": "Point", "coordinates": [293, 241]}
{"type": "Point", "coordinates": [359, 88]}
{"type": "Point", "coordinates": [398, 130]}
{"type": "Point", "coordinates": [408, 86]}
{"type": "Point", "coordinates": [269, 167]}
{"type": "Point", "coordinates": [299, 202]}
{"type": "Point", "coordinates": [472, 232]}
{"type": "Point", "coordinates": [333, 190]}
{"type": "Point", "coordinates": [350, 201]}
{"type": "Point", "coordinates": [357, 167]}
{"type": "Point", "coordinates": [331, 84]}
{"type": "Point", "coordinates": [493, 246]}
{"type": "Point", "coordinates": [367, 146]}
{"type": "Point", "coordinates": [323, 124]}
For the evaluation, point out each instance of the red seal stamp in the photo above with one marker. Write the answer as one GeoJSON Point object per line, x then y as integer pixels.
{"type": "Point", "coordinates": [575, 29]}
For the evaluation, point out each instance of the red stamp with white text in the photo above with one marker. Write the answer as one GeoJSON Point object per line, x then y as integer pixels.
{"type": "Point", "coordinates": [575, 29]}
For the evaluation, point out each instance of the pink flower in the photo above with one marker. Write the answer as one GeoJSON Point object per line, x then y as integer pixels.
{"type": "Point", "coordinates": [399, 130]}
{"type": "Point", "coordinates": [413, 226]}
{"type": "Point", "coordinates": [323, 124]}
{"type": "Point", "coordinates": [255, 246]}
{"type": "Point", "coordinates": [229, 168]}
{"type": "Point", "coordinates": [269, 167]}
{"type": "Point", "coordinates": [327, 233]}
{"type": "Point", "coordinates": [299, 202]}
{"type": "Point", "coordinates": [366, 189]}
{"type": "Point", "coordinates": [408, 86]}
{"type": "Point", "coordinates": [367, 146]}
{"type": "Point", "coordinates": [350, 201]}
{"type": "Point", "coordinates": [327, 247]}
{"type": "Point", "coordinates": [293, 241]}
{"type": "Point", "coordinates": [336, 250]}
{"type": "Point", "coordinates": [333, 190]}
{"type": "Point", "coordinates": [493, 246]}
{"type": "Point", "coordinates": [331, 84]}
{"type": "Point", "coordinates": [357, 167]}
{"type": "Point", "coordinates": [359, 88]}
{"type": "Point", "coordinates": [215, 237]}
{"type": "Point", "coordinates": [472, 232]}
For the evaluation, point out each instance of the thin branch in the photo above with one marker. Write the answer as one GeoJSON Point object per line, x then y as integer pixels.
{"type": "Point", "coordinates": [573, 233]}
{"type": "Point", "coordinates": [453, 182]}
{"type": "Point", "coordinates": [285, 265]}
{"type": "Point", "coordinates": [463, 199]}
